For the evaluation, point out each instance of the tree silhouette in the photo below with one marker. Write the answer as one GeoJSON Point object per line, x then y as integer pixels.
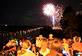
{"type": "Point", "coordinates": [69, 22]}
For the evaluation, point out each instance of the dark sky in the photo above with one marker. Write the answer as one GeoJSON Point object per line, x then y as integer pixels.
{"type": "Point", "coordinates": [28, 11]}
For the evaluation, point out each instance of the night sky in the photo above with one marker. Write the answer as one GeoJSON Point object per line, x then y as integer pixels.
{"type": "Point", "coordinates": [29, 11]}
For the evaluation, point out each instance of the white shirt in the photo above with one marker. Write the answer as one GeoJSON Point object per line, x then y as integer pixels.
{"type": "Point", "coordinates": [47, 51]}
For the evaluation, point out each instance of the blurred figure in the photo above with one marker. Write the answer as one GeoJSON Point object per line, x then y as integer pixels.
{"type": "Point", "coordinates": [44, 51]}
{"type": "Point", "coordinates": [54, 53]}
{"type": "Point", "coordinates": [27, 41]}
{"type": "Point", "coordinates": [40, 36]}
{"type": "Point", "coordinates": [39, 41]}
{"type": "Point", "coordinates": [65, 47]}
{"type": "Point", "coordinates": [50, 36]}
{"type": "Point", "coordinates": [55, 48]}
{"type": "Point", "coordinates": [33, 48]}
{"type": "Point", "coordinates": [50, 41]}
{"type": "Point", "coordinates": [25, 51]}
{"type": "Point", "coordinates": [77, 45]}
{"type": "Point", "coordinates": [57, 43]}
{"type": "Point", "coordinates": [10, 48]}
{"type": "Point", "coordinates": [70, 42]}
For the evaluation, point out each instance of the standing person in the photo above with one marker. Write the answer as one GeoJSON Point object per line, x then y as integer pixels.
{"type": "Point", "coordinates": [77, 45]}
{"type": "Point", "coordinates": [65, 47]}
{"type": "Point", "coordinates": [44, 51]}
{"type": "Point", "coordinates": [50, 41]}
{"type": "Point", "coordinates": [39, 41]}
{"type": "Point", "coordinates": [55, 49]}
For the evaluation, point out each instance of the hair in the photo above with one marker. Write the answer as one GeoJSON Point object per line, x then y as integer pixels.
{"type": "Point", "coordinates": [44, 40]}
{"type": "Point", "coordinates": [77, 39]}
{"type": "Point", "coordinates": [28, 42]}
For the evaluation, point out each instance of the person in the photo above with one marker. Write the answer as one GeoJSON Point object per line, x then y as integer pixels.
{"type": "Point", "coordinates": [51, 36]}
{"type": "Point", "coordinates": [53, 52]}
{"type": "Point", "coordinates": [40, 36]}
{"type": "Point", "coordinates": [25, 40]}
{"type": "Point", "coordinates": [50, 41]}
{"type": "Point", "coordinates": [10, 48]}
{"type": "Point", "coordinates": [54, 48]}
{"type": "Point", "coordinates": [39, 41]}
{"type": "Point", "coordinates": [70, 42]}
{"type": "Point", "coordinates": [25, 51]}
{"type": "Point", "coordinates": [33, 48]}
{"type": "Point", "coordinates": [44, 51]}
{"type": "Point", "coordinates": [65, 48]}
{"type": "Point", "coordinates": [77, 45]}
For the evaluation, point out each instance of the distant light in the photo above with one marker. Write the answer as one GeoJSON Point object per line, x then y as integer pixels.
{"type": "Point", "coordinates": [58, 28]}
{"type": "Point", "coordinates": [6, 25]}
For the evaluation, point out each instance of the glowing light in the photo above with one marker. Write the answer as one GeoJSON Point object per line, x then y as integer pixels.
{"type": "Point", "coordinates": [49, 9]}
{"type": "Point", "coordinates": [6, 25]}
{"type": "Point", "coordinates": [55, 12]}
{"type": "Point", "coordinates": [53, 21]}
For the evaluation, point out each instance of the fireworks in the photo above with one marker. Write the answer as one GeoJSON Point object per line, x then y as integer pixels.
{"type": "Point", "coordinates": [55, 12]}
{"type": "Point", "coordinates": [52, 10]}
{"type": "Point", "coordinates": [49, 9]}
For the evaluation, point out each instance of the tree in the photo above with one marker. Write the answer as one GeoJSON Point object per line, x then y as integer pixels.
{"type": "Point", "coordinates": [69, 22]}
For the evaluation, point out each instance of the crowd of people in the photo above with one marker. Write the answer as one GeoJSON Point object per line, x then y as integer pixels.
{"type": "Point", "coordinates": [43, 46]}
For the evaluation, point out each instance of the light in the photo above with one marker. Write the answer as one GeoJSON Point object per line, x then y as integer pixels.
{"type": "Point", "coordinates": [6, 25]}
{"type": "Point", "coordinates": [49, 9]}
{"type": "Point", "coordinates": [53, 20]}
{"type": "Point", "coordinates": [55, 12]}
